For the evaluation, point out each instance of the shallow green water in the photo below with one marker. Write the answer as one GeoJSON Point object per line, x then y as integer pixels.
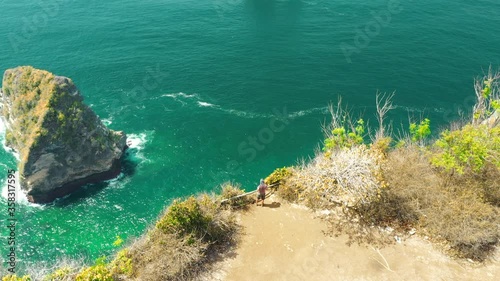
{"type": "Point", "coordinates": [192, 81]}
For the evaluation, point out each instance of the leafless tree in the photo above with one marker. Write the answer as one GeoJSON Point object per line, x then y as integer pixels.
{"type": "Point", "coordinates": [487, 90]}
{"type": "Point", "coordinates": [384, 105]}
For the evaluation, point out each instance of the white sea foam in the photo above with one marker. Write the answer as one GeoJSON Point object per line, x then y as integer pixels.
{"type": "Point", "coordinates": [323, 110]}
{"type": "Point", "coordinates": [107, 121]}
{"type": "Point", "coordinates": [3, 129]}
{"type": "Point", "coordinates": [19, 194]}
{"type": "Point", "coordinates": [196, 99]}
{"type": "Point", "coordinates": [420, 109]}
{"type": "Point", "coordinates": [119, 182]}
{"type": "Point", "coordinates": [206, 104]}
{"type": "Point", "coordinates": [137, 142]}
{"type": "Point", "coordinates": [246, 114]}
{"type": "Point", "coordinates": [291, 115]}
{"type": "Point", "coordinates": [180, 95]}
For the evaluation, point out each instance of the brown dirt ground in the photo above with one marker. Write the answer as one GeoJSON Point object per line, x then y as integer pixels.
{"type": "Point", "coordinates": [283, 241]}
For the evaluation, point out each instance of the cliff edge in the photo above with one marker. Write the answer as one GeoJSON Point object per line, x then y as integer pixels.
{"type": "Point", "coordinates": [62, 143]}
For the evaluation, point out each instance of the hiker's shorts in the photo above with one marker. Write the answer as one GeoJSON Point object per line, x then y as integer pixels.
{"type": "Point", "coordinates": [261, 196]}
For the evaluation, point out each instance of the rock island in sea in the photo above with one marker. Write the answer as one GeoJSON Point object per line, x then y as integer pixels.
{"type": "Point", "coordinates": [62, 143]}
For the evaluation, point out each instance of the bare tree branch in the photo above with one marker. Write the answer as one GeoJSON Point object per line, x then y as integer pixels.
{"type": "Point", "coordinates": [384, 105]}
{"type": "Point", "coordinates": [487, 89]}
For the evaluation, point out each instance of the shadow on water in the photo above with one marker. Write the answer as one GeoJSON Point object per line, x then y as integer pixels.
{"type": "Point", "coordinates": [128, 168]}
{"type": "Point", "coordinates": [274, 18]}
{"type": "Point", "coordinates": [269, 10]}
{"type": "Point", "coordinates": [263, 11]}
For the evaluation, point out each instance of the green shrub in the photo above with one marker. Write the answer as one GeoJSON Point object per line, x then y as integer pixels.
{"type": "Point", "coordinates": [16, 278]}
{"type": "Point", "coordinates": [495, 105]}
{"type": "Point", "coordinates": [419, 132]}
{"type": "Point", "coordinates": [339, 138]}
{"type": "Point", "coordinates": [184, 217]}
{"type": "Point", "coordinates": [488, 97]}
{"type": "Point", "coordinates": [278, 175]}
{"type": "Point", "coordinates": [97, 272]}
{"type": "Point", "coordinates": [122, 264]}
{"type": "Point", "coordinates": [59, 274]}
{"type": "Point", "coordinates": [118, 242]}
{"type": "Point", "coordinates": [467, 149]}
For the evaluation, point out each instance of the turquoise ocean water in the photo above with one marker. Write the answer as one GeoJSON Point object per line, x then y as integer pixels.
{"type": "Point", "coordinates": [192, 81]}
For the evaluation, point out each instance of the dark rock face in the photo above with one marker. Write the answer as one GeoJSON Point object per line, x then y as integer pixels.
{"type": "Point", "coordinates": [62, 143]}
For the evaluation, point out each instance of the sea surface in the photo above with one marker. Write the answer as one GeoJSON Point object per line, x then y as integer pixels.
{"type": "Point", "coordinates": [228, 90]}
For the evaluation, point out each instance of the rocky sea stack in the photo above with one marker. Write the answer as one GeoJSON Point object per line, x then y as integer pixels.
{"type": "Point", "coordinates": [62, 143]}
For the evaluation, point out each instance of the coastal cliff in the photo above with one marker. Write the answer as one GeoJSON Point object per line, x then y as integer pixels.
{"type": "Point", "coordinates": [62, 143]}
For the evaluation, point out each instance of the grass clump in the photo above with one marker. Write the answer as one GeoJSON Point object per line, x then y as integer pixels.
{"type": "Point", "coordinates": [230, 191]}
{"type": "Point", "coordinates": [279, 175]}
{"type": "Point", "coordinates": [382, 145]}
{"type": "Point", "coordinates": [122, 264]}
{"type": "Point", "coordinates": [185, 218]}
{"type": "Point", "coordinates": [98, 272]}
{"type": "Point", "coordinates": [16, 278]}
{"type": "Point", "coordinates": [185, 238]}
{"type": "Point", "coordinates": [95, 273]}
{"type": "Point", "coordinates": [61, 274]}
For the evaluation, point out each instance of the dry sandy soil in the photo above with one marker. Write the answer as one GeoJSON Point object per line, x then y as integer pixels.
{"type": "Point", "coordinates": [281, 241]}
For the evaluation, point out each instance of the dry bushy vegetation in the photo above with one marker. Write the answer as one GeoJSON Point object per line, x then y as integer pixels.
{"type": "Point", "coordinates": [441, 206]}
{"type": "Point", "coordinates": [347, 177]}
{"type": "Point", "coordinates": [178, 247]}
{"type": "Point", "coordinates": [448, 190]}
{"type": "Point", "coordinates": [402, 191]}
{"type": "Point", "coordinates": [235, 196]}
{"type": "Point", "coordinates": [186, 239]}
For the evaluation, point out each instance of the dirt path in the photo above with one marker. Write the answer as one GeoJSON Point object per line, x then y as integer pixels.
{"type": "Point", "coordinates": [284, 242]}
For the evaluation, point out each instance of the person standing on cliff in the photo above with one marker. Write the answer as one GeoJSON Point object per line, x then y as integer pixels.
{"type": "Point", "coordinates": [261, 192]}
